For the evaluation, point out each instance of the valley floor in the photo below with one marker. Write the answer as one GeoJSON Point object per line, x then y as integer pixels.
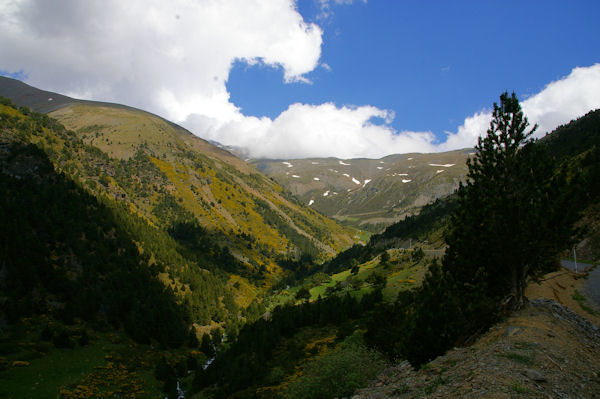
{"type": "Point", "coordinates": [549, 349]}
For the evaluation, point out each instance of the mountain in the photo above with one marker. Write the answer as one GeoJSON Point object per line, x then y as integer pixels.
{"type": "Point", "coordinates": [168, 176]}
{"type": "Point", "coordinates": [370, 193]}
{"type": "Point", "coordinates": [120, 231]}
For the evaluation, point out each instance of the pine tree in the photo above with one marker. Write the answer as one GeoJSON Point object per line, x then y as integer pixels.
{"type": "Point", "coordinates": [501, 232]}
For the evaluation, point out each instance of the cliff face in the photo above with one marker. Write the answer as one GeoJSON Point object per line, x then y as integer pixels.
{"type": "Point", "coordinates": [546, 350]}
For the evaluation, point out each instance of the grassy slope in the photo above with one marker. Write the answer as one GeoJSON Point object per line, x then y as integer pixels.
{"type": "Point", "coordinates": [219, 189]}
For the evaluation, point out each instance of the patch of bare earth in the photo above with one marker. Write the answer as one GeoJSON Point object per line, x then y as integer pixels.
{"type": "Point", "coordinates": [549, 349]}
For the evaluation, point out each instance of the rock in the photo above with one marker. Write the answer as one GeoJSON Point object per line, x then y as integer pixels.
{"type": "Point", "coordinates": [512, 331]}
{"type": "Point", "coordinates": [534, 375]}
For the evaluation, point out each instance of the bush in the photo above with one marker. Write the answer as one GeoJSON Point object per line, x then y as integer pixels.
{"type": "Point", "coordinates": [338, 373]}
{"type": "Point", "coordinates": [46, 334]}
{"type": "Point", "coordinates": [85, 339]}
{"type": "Point", "coordinates": [63, 340]}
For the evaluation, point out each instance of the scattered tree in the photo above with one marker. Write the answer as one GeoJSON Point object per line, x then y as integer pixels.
{"type": "Point", "coordinates": [384, 258]}
{"type": "Point", "coordinates": [303, 294]}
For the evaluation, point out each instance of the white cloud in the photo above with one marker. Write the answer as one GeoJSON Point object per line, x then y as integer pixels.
{"type": "Point", "coordinates": [564, 99]}
{"type": "Point", "coordinates": [323, 130]}
{"type": "Point", "coordinates": [325, 10]}
{"type": "Point", "coordinates": [346, 132]}
{"type": "Point", "coordinates": [172, 58]}
{"type": "Point", "coordinates": [558, 103]}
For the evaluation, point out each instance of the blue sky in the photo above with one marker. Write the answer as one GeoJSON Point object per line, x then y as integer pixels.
{"type": "Point", "coordinates": [314, 78]}
{"type": "Point", "coordinates": [432, 62]}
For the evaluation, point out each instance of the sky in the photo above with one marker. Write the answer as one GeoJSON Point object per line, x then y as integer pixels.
{"type": "Point", "coordinates": [315, 78]}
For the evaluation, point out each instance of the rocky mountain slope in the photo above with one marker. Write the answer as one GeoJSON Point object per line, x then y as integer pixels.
{"type": "Point", "coordinates": [370, 193]}
{"type": "Point", "coordinates": [546, 350]}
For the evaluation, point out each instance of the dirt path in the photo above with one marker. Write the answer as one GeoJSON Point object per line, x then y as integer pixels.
{"type": "Point", "coordinates": [566, 288]}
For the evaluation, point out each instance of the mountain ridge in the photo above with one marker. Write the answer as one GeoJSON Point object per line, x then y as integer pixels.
{"type": "Point", "coordinates": [370, 193]}
{"type": "Point", "coordinates": [214, 185]}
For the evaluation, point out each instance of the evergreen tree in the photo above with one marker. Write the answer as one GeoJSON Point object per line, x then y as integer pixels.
{"type": "Point", "coordinates": [303, 294]}
{"type": "Point", "coordinates": [193, 339]}
{"type": "Point", "coordinates": [502, 229]}
{"type": "Point", "coordinates": [206, 345]}
{"type": "Point", "coordinates": [385, 258]}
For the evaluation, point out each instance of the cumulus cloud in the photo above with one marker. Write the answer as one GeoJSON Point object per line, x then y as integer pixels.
{"type": "Point", "coordinates": [558, 103]}
{"type": "Point", "coordinates": [174, 59]}
{"type": "Point", "coordinates": [348, 132]}
{"type": "Point", "coordinates": [170, 57]}
{"type": "Point", "coordinates": [321, 131]}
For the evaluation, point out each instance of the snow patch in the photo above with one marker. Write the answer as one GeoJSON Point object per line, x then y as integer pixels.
{"type": "Point", "coordinates": [314, 163]}
{"type": "Point", "coordinates": [381, 162]}
{"type": "Point", "coordinates": [342, 163]}
{"type": "Point", "coordinates": [446, 165]}
{"type": "Point", "coordinates": [346, 174]}
{"type": "Point", "coordinates": [296, 176]}
{"type": "Point", "coordinates": [316, 178]}
{"type": "Point", "coordinates": [380, 167]}
{"type": "Point", "coordinates": [410, 159]}
{"type": "Point", "coordinates": [440, 170]}
{"type": "Point", "coordinates": [406, 180]}
{"type": "Point", "coordinates": [326, 193]}
{"type": "Point", "coordinates": [366, 182]}
{"type": "Point", "coordinates": [289, 165]}
{"type": "Point", "coordinates": [311, 202]}
{"type": "Point", "coordinates": [355, 181]}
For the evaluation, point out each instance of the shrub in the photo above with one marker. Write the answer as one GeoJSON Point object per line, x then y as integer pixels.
{"type": "Point", "coordinates": [85, 339]}
{"type": "Point", "coordinates": [46, 334]}
{"type": "Point", "coordinates": [338, 373]}
{"type": "Point", "coordinates": [62, 340]}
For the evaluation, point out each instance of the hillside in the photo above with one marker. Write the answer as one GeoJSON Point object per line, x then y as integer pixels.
{"type": "Point", "coordinates": [73, 255]}
{"type": "Point", "coordinates": [370, 193]}
{"type": "Point", "coordinates": [165, 174]}
{"type": "Point", "coordinates": [544, 350]}
{"type": "Point", "coordinates": [119, 236]}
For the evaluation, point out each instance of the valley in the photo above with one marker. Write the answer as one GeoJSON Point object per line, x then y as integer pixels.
{"type": "Point", "coordinates": [133, 252]}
